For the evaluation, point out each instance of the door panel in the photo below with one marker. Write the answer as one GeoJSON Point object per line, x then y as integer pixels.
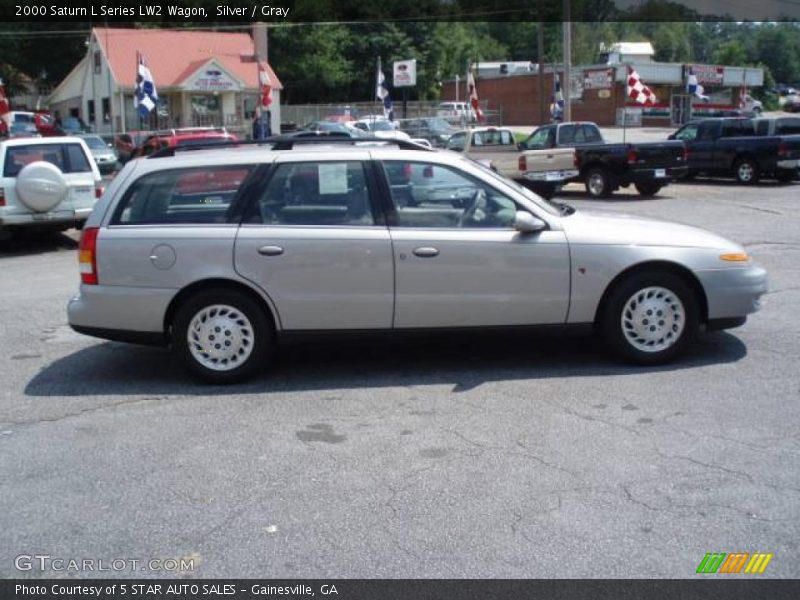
{"type": "Point", "coordinates": [480, 277]}
{"type": "Point", "coordinates": [312, 244]}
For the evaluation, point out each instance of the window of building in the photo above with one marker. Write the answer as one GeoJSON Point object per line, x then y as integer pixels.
{"type": "Point", "coordinates": [90, 110]}
{"type": "Point", "coordinates": [97, 63]}
{"type": "Point", "coordinates": [106, 110]}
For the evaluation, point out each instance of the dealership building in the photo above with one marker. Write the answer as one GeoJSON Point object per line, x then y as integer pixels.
{"type": "Point", "coordinates": [598, 92]}
{"type": "Point", "coordinates": [203, 78]}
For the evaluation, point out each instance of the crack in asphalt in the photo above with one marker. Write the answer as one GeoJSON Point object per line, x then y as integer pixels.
{"type": "Point", "coordinates": [90, 410]}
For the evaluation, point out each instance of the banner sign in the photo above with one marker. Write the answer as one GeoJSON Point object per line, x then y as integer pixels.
{"type": "Point", "coordinates": [598, 79]}
{"type": "Point", "coordinates": [405, 73]}
{"type": "Point", "coordinates": [706, 74]}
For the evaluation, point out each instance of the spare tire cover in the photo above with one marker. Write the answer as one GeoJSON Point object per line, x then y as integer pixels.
{"type": "Point", "coordinates": [41, 186]}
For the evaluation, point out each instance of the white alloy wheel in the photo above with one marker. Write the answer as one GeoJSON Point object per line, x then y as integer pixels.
{"type": "Point", "coordinates": [653, 319]}
{"type": "Point", "coordinates": [745, 171]}
{"type": "Point", "coordinates": [220, 337]}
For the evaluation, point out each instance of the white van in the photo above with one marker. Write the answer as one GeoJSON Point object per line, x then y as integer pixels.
{"type": "Point", "coordinates": [456, 112]}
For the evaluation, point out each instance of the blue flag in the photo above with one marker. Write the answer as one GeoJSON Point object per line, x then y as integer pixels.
{"type": "Point", "coordinates": [145, 96]}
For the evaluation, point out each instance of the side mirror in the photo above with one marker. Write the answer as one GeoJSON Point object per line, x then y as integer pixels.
{"type": "Point", "coordinates": [671, 136]}
{"type": "Point", "coordinates": [519, 146]}
{"type": "Point", "coordinates": [525, 222]}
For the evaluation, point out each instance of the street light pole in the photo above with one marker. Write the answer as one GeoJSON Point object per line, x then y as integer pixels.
{"type": "Point", "coordinates": [567, 61]}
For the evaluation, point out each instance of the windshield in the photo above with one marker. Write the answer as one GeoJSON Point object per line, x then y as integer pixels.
{"type": "Point", "coordinates": [382, 126]}
{"type": "Point", "coordinates": [95, 143]}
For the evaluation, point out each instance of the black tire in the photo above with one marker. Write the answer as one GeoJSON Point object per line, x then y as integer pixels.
{"type": "Point", "coordinates": [746, 171]}
{"type": "Point", "coordinates": [648, 189]}
{"type": "Point", "coordinates": [260, 347]}
{"type": "Point", "coordinates": [598, 184]}
{"type": "Point", "coordinates": [630, 343]}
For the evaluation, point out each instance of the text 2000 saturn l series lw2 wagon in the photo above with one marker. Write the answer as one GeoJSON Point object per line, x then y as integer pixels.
{"type": "Point", "coordinates": [219, 252]}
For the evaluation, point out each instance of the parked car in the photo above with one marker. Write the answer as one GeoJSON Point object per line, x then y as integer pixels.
{"type": "Point", "coordinates": [497, 148]}
{"type": "Point", "coordinates": [730, 147]}
{"type": "Point", "coordinates": [127, 143]}
{"type": "Point", "coordinates": [189, 136]}
{"type": "Point", "coordinates": [104, 154]}
{"type": "Point", "coordinates": [47, 182]}
{"type": "Point", "coordinates": [383, 129]}
{"type": "Point", "coordinates": [73, 126]}
{"type": "Point", "coordinates": [316, 128]}
{"type": "Point", "coordinates": [458, 113]}
{"type": "Point", "coordinates": [603, 167]}
{"type": "Point", "coordinates": [792, 104]}
{"type": "Point", "coordinates": [23, 130]}
{"type": "Point", "coordinates": [342, 114]}
{"type": "Point", "coordinates": [434, 129]}
{"type": "Point", "coordinates": [46, 124]}
{"type": "Point", "coordinates": [323, 241]}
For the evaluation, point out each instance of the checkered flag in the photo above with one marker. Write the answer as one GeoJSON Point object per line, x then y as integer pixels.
{"type": "Point", "coordinates": [638, 91]}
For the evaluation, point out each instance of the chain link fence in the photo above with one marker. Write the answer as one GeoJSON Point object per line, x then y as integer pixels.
{"type": "Point", "coordinates": [296, 116]}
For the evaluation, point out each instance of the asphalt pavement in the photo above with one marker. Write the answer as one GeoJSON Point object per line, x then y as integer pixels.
{"type": "Point", "coordinates": [480, 456]}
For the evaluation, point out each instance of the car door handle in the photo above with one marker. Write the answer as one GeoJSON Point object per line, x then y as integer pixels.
{"type": "Point", "coordinates": [426, 252]}
{"type": "Point", "coordinates": [270, 250]}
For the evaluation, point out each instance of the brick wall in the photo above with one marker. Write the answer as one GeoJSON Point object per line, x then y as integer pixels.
{"type": "Point", "coordinates": [518, 99]}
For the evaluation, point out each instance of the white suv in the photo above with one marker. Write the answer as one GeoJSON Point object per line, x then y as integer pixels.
{"type": "Point", "coordinates": [47, 182]}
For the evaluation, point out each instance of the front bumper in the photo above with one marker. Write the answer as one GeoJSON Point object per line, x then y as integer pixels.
{"type": "Point", "coordinates": [733, 292]}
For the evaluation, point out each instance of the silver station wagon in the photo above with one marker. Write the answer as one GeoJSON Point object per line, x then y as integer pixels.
{"type": "Point", "coordinates": [219, 252]}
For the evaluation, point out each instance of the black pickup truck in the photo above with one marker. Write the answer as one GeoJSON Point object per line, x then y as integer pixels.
{"type": "Point", "coordinates": [732, 147]}
{"type": "Point", "coordinates": [603, 167]}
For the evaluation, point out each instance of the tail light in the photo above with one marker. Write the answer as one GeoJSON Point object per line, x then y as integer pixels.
{"type": "Point", "coordinates": [632, 158]}
{"type": "Point", "coordinates": [783, 150]}
{"type": "Point", "coordinates": [87, 255]}
{"type": "Point", "coordinates": [98, 191]}
{"type": "Point", "coordinates": [522, 164]}
{"type": "Point", "coordinates": [576, 160]}
{"type": "Point", "coordinates": [685, 154]}
{"type": "Point", "coordinates": [2, 197]}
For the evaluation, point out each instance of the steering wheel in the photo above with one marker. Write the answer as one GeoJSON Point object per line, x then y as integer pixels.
{"type": "Point", "coordinates": [478, 201]}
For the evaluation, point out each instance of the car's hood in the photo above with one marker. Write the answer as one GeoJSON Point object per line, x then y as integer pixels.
{"type": "Point", "coordinates": [611, 228]}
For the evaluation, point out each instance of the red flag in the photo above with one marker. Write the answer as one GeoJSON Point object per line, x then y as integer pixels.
{"type": "Point", "coordinates": [265, 86]}
{"type": "Point", "coordinates": [473, 96]}
{"type": "Point", "coordinates": [4, 107]}
{"type": "Point", "coordinates": [638, 91]}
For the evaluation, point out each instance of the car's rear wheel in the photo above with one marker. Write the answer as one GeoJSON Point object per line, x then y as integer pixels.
{"type": "Point", "coordinates": [648, 189]}
{"type": "Point", "coordinates": [223, 336]}
{"type": "Point", "coordinates": [746, 171]}
{"type": "Point", "coordinates": [597, 183]}
{"type": "Point", "coordinates": [650, 318]}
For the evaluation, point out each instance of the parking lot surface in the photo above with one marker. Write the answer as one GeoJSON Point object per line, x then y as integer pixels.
{"type": "Point", "coordinates": [469, 456]}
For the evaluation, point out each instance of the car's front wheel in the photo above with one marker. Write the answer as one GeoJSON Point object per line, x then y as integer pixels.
{"type": "Point", "coordinates": [650, 318]}
{"type": "Point", "coordinates": [223, 336]}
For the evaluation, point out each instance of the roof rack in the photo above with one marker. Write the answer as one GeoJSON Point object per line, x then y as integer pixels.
{"type": "Point", "coordinates": [285, 142]}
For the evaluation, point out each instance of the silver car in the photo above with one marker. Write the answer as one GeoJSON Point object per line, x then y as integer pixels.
{"type": "Point", "coordinates": [220, 252]}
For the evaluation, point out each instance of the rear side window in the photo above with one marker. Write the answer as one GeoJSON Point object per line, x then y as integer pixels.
{"type": "Point", "coordinates": [787, 126]}
{"type": "Point", "coordinates": [69, 158]}
{"type": "Point", "coordinates": [187, 196]}
{"type": "Point", "coordinates": [315, 193]}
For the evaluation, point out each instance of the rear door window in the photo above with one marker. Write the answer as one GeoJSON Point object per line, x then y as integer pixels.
{"type": "Point", "coordinates": [187, 196]}
{"type": "Point", "coordinates": [69, 158]}
{"type": "Point", "coordinates": [315, 193]}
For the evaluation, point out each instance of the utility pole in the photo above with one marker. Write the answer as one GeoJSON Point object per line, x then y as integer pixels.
{"type": "Point", "coordinates": [543, 104]}
{"type": "Point", "coordinates": [260, 41]}
{"type": "Point", "coordinates": [567, 61]}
